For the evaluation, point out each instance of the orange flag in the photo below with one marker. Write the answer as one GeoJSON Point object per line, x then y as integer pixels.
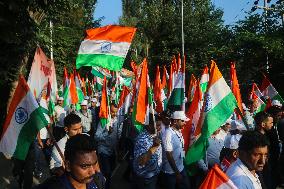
{"type": "Point", "coordinates": [191, 88]}
{"type": "Point", "coordinates": [217, 179]}
{"type": "Point", "coordinates": [235, 87]}
{"type": "Point", "coordinates": [157, 92]}
{"type": "Point", "coordinates": [142, 98]}
{"type": "Point", "coordinates": [73, 91]}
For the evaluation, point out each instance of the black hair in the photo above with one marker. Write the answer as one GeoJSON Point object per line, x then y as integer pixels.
{"type": "Point", "coordinates": [113, 104]}
{"type": "Point", "coordinates": [71, 119]}
{"type": "Point", "coordinates": [261, 117]}
{"type": "Point", "coordinates": [251, 140]}
{"type": "Point", "coordinates": [81, 143]}
{"type": "Point", "coordinates": [226, 153]}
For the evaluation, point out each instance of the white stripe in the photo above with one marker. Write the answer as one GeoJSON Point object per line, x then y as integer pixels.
{"type": "Point", "coordinates": [218, 91]}
{"type": "Point", "coordinates": [227, 185]}
{"type": "Point", "coordinates": [204, 78]}
{"type": "Point", "coordinates": [8, 143]}
{"type": "Point", "coordinates": [95, 47]}
{"type": "Point", "coordinates": [179, 81]}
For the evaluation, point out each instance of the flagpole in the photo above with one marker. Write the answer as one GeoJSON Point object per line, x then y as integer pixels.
{"type": "Point", "coordinates": [182, 32]}
{"type": "Point", "coordinates": [51, 41]}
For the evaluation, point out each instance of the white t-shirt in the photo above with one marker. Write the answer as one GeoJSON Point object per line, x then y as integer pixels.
{"type": "Point", "coordinates": [60, 114]}
{"type": "Point", "coordinates": [242, 177]}
{"type": "Point", "coordinates": [43, 133]}
{"type": "Point", "coordinates": [173, 142]}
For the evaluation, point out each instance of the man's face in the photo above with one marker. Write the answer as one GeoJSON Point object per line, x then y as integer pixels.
{"type": "Point", "coordinates": [84, 167]}
{"type": "Point", "coordinates": [60, 102]}
{"type": "Point", "coordinates": [158, 126]}
{"type": "Point", "coordinates": [179, 123]}
{"type": "Point", "coordinates": [268, 124]}
{"type": "Point", "coordinates": [74, 129]}
{"type": "Point", "coordinates": [93, 104]}
{"type": "Point", "coordinates": [256, 159]}
{"type": "Point", "coordinates": [113, 111]}
{"type": "Point", "coordinates": [84, 107]}
{"type": "Point", "coordinates": [226, 127]}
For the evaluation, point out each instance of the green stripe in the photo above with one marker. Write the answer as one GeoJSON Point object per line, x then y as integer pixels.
{"type": "Point", "coordinates": [203, 87]}
{"type": "Point", "coordinates": [110, 62]}
{"type": "Point", "coordinates": [177, 97]}
{"type": "Point", "coordinates": [29, 132]}
{"type": "Point", "coordinates": [278, 97]}
{"type": "Point", "coordinates": [97, 73]}
{"type": "Point", "coordinates": [213, 120]}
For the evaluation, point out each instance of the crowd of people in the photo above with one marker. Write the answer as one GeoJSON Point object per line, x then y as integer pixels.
{"type": "Point", "coordinates": [83, 154]}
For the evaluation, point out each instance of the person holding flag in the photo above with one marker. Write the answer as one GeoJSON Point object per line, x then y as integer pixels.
{"type": "Point", "coordinates": [173, 145]}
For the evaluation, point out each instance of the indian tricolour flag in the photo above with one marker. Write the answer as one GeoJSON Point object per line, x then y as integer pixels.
{"type": "Point", "coordinates": [177, 96]}
{"type": "Point", "coordinates": [267, 89]}
{"type": "Point", "coordinates": [105, 47]}
{"type": "Point", "coordinates": [204, 80]}
{"type": "Point", "coordinates": [219, 104]}
{"type": "Point", "coordinates": [104, 113]}
{"type": "Point", "coordinates": [24, 120]}
{"type": "Point", "coordinates": [217, 179]}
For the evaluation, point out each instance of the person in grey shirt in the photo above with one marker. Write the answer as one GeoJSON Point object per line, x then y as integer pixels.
{"type": "Point", "coordinates": [86, 116]}
{"type": "Point", "coordinates": [107, 140]}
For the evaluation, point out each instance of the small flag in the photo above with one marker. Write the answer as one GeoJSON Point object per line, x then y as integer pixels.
{"type": "Point", "coordinates": [217, 179]}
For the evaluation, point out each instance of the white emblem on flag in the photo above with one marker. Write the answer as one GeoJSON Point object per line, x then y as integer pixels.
{"type": "Point", "coordinates": [21, 115]}
{"type": "Point", "coordinates": [106, 47]}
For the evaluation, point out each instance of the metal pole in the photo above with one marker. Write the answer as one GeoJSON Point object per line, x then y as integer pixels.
{"type": "Point", "coordinates": [182, 33]}
{"type": "Point", "coordinates": [266, 29]}
{"type": "Point", "coordinates": [51, 41]}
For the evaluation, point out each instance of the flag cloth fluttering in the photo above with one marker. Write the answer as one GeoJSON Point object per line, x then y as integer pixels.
{"type": "Point", "coordinates": [255, 96]}
{"type": "Point", "coordinates": [217, 179]}
{"type": "Point", "coordinates": [104, 113]}
{"type": "Point", "coordinates": [235, 87]}
{"type": "Point", "coordinates": [219, 104]}
{"type": "Point", "coordinates": [105, 47]}
{"type": "Point", "coordinates": [158, 92]}
{"type": "Point", "coordinates": [24, 120]}
{"type": "Point", "coordinates": [267, 89]}
{"type": "Point", "coordinates": [41, 71]}
{"type": "Point", "coordinates": [191, 88]}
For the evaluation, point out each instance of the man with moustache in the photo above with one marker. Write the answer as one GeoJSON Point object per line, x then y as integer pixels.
{"type": "Point", "coordinates": [81, 166]}
{"type": "Point", "coordinates": [253, 153]}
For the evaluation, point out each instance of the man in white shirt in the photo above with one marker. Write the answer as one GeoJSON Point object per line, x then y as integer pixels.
{"type": "Point", "coordinates": [60, 114]}
{"type": "Point", "coordinates": [86, 116]}
{"type": "Point", "coordinates": [253, 150]}
{"type": "Point", "coordinates": [73, 126]}
{"type": "Point", "coordinates": [173, 146]}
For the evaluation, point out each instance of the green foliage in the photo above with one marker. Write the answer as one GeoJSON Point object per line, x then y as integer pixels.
{"type": "Point", "coordinates": [26, 24]}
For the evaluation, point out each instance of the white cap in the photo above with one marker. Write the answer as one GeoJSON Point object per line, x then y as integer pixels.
{"type": "Point", "coordinates": [60, 98]}
{"type": "Point", "coordinates": [96, 94]}
{"type": "Point", "coordinates": [87, 98]}
{"type": "Point", "coordinates": [232, 141]}
{"type": "Point", "coordinates": [237, 125]}
{"type": "Point", "coordinates": [179, 115]}
{"type": "Point", "coordinates": [93, 100]}
{"type": "Point", "coordinates": [276, 103]}
{"type": "Point", "coordinates": [84, 103]}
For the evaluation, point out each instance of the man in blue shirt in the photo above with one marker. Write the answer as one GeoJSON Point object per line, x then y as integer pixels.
{"type": "Point", "coordinates": [147, 157]}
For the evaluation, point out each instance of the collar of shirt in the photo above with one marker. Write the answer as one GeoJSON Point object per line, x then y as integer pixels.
{"type": "Point", "coordinates": [254, 178]}
{"type": "Point", "coordinates": [68, 184]}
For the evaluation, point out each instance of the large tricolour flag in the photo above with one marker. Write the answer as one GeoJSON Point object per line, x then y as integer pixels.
{"type": "Point", "coordinates": [24, 120]}
{"type": "Point", "coordinates": [217, 179]}
{"type": "Point", "coordinates": [105, 47]}
{"type": "Point", "coordinates": [41, 71]}
{"type": "Point", "coordinates": [219, 104]}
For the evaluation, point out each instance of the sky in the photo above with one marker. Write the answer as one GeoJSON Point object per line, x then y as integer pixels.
{"type": "Point", "coordinates": [234, 10]}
